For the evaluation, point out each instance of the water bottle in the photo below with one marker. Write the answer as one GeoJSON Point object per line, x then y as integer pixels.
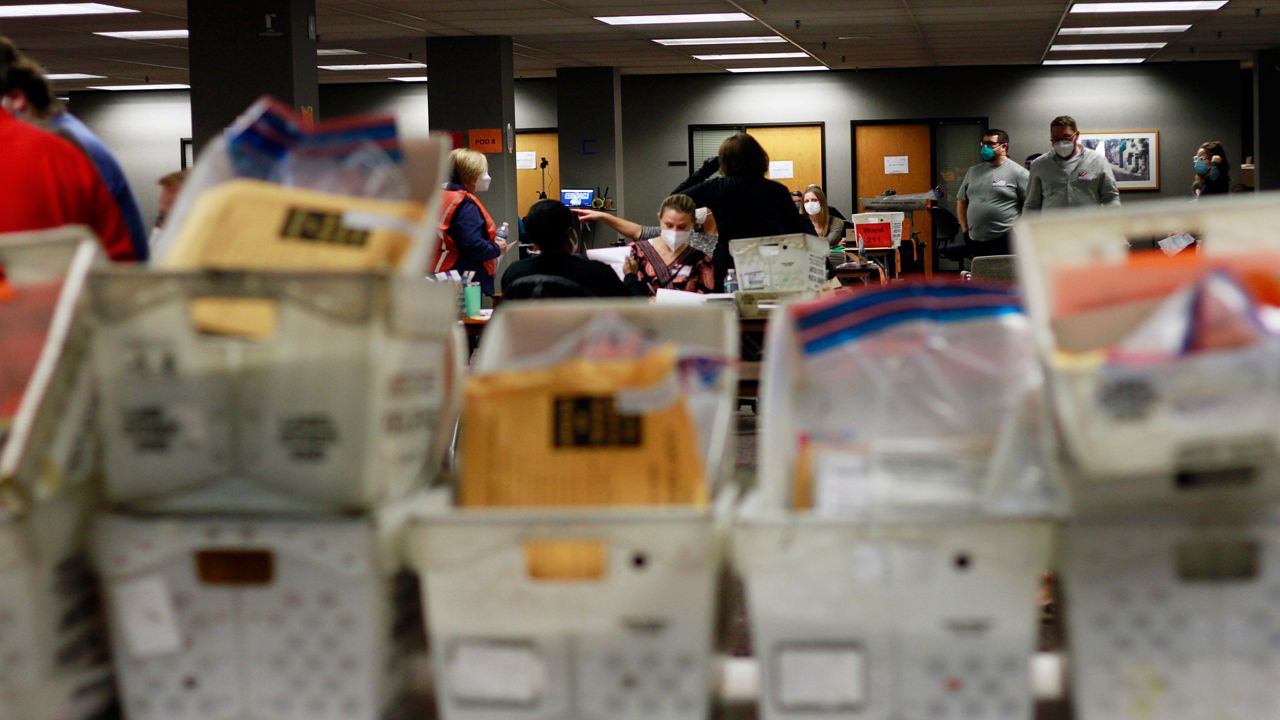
{"type": "Point", "coordinates": [504, 232]}
{"type": "Point", "coordinates": [730, 282]}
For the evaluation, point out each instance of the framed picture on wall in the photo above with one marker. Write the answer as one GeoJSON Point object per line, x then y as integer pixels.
{"type": "Point", "coordinates": [1134, 156]}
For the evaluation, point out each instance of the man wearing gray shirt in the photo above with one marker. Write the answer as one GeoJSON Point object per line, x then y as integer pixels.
{"type": "Point", "coordinates": [1072, 175]}
{"type": "Point", "coordinates": [991, 196]}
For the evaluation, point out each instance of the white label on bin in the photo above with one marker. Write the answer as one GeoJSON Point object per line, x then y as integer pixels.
{"type": "Point", "coordinates": [821, 678]}
{"type": "Point", "coordinates": [844, 482]}
{"type": "Point", "coordinates": [147, 617]}
{"type": "Point", "coordinates": [496, 673]}
{"type": "Point", "coordinates": [869, 563]}
{"type": "Point", "coordinates": [755, 279]}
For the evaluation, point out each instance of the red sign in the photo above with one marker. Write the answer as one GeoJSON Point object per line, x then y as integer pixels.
{"type": "Point", "coordinates": [875, 235]}
{"type": "Point", "coordinates": [485, 140]}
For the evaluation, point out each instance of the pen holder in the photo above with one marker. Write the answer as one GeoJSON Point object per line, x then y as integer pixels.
{"type": "Point", "coordinates": [471, 300]}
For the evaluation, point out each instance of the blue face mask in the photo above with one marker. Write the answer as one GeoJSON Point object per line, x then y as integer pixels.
{"type": "Point", "coordinates": [987, 153]}
{"type": "Point", "coordinates": [1201, 166]}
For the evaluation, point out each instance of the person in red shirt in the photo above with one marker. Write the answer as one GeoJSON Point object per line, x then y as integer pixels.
{"type": "Point", "coordinates": [47, 182]}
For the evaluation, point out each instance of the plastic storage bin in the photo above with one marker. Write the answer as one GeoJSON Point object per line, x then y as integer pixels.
{"type": "Point", "coordinates": [1174, 617]}
{"type": "Point", "coordinates": [634, 641]}
{"type": "Point", "coordinates": [53, 660]}
{"type": "Point", "coordinates": [1168, 433]}
{"type": "Point", "coordinates": [247, 619]}
{"type": "Point", "coordinates": [773, 268]}
{"type": "Point", "coordinates": [350, 403]}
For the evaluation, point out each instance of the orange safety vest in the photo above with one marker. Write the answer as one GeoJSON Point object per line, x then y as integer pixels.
{"type": "Point", "coordinates": [447, 254]}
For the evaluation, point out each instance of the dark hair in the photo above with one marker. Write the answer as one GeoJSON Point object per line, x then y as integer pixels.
{"type": "Point", "coordinates": [1064, 121]}
{"type": "Point", "coordinates": [8, 56]}
{"type": "Point", "coordinates": [742, 156]}
{"type": "Point", "coordinates": [28, 77]}
{"type": "Point", "coordinates": [547, 224]}
{"type": "Point", "coordinates": [1214, 147]}
{"type": "Point", "coordinates": [1001, 136]}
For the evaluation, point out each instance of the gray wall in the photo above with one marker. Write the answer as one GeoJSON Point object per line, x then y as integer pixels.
{"type": "Point", "coordinates": [1187, 102]}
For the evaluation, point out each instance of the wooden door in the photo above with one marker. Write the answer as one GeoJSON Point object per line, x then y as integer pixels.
{"type": "Point", "coordinates": [529, 182]}
{"type": "Point", "coordinates": [881, 147]}
{"type": "Point", "coordinates": [801, 145]}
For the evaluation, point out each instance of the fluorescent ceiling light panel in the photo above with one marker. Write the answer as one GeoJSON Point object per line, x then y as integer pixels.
{"type": "Point", "coordinates": [152, 86]}
{"type": "Point", "coordinates": [749, 40]}
{"type": "Point", "coordinates": [377, 66]}
{"type": "Point", "coordinates": [674, 19]}
{"type": "Point", "coordinates": [1082, 47]}
{"type": "Point", "coordinates": [50, 9]}
{"type": "Point", "coordinates": [419, 78]}
{"type": "Point", "coordinates": [752, 56]}
{"type": "Point", "coordinates": [1139, 7]}
{"type": "Point", "coordinates": [790, 68]}
{"type": "Point", "coordinates": [73, 76]}
{"type": "Point", "coordinates": [338, 51]}
{"type": "Point", "coordinates": [1125, 30]}
{"type": "Point", "coordinates": [1095, 61]}
{"type": "Point", "coordinates": [147, 34]}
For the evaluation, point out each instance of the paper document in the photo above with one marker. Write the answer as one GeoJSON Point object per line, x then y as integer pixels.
{"type": "Point", "coordinates": [681, 297]}
{"type": "Point", "coordinates": [614, 257]}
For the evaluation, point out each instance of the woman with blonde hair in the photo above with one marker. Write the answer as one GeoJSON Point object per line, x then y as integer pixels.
{"type": "Point", "coordinates": [468, 237]}
{"type": "Point", "coordinates": [825, 224]}
{"type": "Point", "coordinates": [669, 262]}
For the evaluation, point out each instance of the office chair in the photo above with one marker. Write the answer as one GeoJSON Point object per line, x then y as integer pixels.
{"type": "Point", "coordinates": [993, 268]}
{"type": "Point", "coordinates": [946, 228]}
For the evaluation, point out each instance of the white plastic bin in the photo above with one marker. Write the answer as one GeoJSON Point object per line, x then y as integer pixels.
{"type": "Point", "coordinates": [884, 620]}
{"type": "Point", "coordinates": [248, 619]}
{"type": "Point", "coordinates": [1172, 433]}
{"type": "Point", "coordinates": [349, 404]}
{"type": "Point", "coordinates": [1174, 617]}
{"type": "Point", "coordinates": [53, 663]}
{"type": "Point", "coordinates": [636, 641]}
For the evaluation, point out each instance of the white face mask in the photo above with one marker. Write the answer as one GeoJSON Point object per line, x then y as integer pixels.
{"type": "Point", "coordinates": [813, 207]}
{"type": "Point", "coordinates": [700, 215]}
{"type": "Point", "coordinates": [1064, 148]}
{"type": "Point", "coordinates": [483, 183]}
{"type": "Point", "coordinates": [676, 239]}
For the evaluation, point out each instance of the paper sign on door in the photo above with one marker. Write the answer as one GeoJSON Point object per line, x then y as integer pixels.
{"type": "Point", "coordinates": [896, 165]}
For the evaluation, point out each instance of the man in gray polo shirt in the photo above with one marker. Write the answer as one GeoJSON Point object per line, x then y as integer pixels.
{"type": "Point", "coordinates": [991, 196]}
{"type": "Point", "coordinates": [1072, 175]}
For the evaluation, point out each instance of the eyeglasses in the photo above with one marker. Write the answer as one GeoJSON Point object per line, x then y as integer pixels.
{"type": "Point", "coordinates": [992, 144]}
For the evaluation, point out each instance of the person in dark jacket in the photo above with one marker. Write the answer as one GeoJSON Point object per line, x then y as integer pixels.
{"type": "Point", "coordinates": [745, 203]}
{"type": "Point", "coordinates": [1213, 172]}
{"type": "Point", "coordinates": [556, 271]}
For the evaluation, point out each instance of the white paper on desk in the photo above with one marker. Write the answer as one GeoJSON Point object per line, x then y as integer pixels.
{"type": "Point", "coordinates": [527, 160]}
{"type": "Point", "coordinates": [148, 617]}
{"type": "Point", "coordinates": [496, 673]}
{"type": "Point", "coordinates": [896, 165]}
{"type": "Point", "coordinates": [683, 297]}
{"type": "Point", "coordinates": [821, 678]}
{"type": "Point", "coordinates": [614, 257]}
{"type": "Point", "coordinates": [781, 169]}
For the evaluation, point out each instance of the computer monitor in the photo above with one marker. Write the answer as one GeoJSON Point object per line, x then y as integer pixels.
{"type": "Point", "coordinates": [578, 198]}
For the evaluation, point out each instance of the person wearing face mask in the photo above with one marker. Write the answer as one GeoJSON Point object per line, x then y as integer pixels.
{"type": "Point", "coordinates": [991, 197]}
{"type": "Point", "coordinates": [825, 223]}
{"type": "Point", "coordinates": [702, 238]}
{"type": "Point", "coordinates": [1072, 175]}
{"type": "Point", "coordinates": [1213, 172]}
{"type": "Point", "coordinates": [669, 261]}
{"type": "Point", "coordinates": [556, 272]}
{"type": "Point", "coordinates": [468, 236]}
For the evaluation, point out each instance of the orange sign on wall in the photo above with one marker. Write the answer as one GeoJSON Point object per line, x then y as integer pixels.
{"type": "Point", "coordinates": [488, 140]}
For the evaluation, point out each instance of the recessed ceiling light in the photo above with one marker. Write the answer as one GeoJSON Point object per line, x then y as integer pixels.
{"type": "Point", "coordinates": [49, 9]}
{"type": "Point", "coordinates": [339, 51]}
{"type": "Point", "coordinates": [854, 37]}
{"type": "Point", "coordinates": [376, 66]}
{"type": "Point", "coordinates": [790, 68]}
{"type": "Point", "coordinates": [750, 40]}
{"type": "Point", "coordinates": [1138, 7]}
{"type": "Point", "coordinates": [419, 78]}
{"type": "Point", "coordinates": [73, 76]}
{"type": "Point", "coordinates": [673, 19]}
{"type": "Point", "coordinates": [152, 86]}
{"type": "Point", "coordinates": [752, 56]}
{"type": "Point", "coordinates": [1125, 30]}
{"type": "Point", "coordinates": [146, 34]}
{"type": "Point", "coordinates": [1107, 46]}
{"type": "Point", "coordinates": [1095, 61]}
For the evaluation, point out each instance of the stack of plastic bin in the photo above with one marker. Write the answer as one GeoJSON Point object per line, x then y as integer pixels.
{"type": "Point", "coordinates": [242, 564]}
{"type": "Point", "coordinates": [53, 655]}
{"type": "Point", "coordinates": [1171, 559]}
{"type": "Point", "coordinates": [637, 641]}
{"type": "Point", "coordinates": [885, 615]}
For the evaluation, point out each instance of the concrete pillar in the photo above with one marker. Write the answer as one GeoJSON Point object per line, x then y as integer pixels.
{"type": "Point", "coordinates": [240, 50]}
{"type": "Point", "coordinates": [472, 94]}
{"type": "Point", "coordinates": [589, 109]}
{"type": "Point", "coordinates": [1266, 118]}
